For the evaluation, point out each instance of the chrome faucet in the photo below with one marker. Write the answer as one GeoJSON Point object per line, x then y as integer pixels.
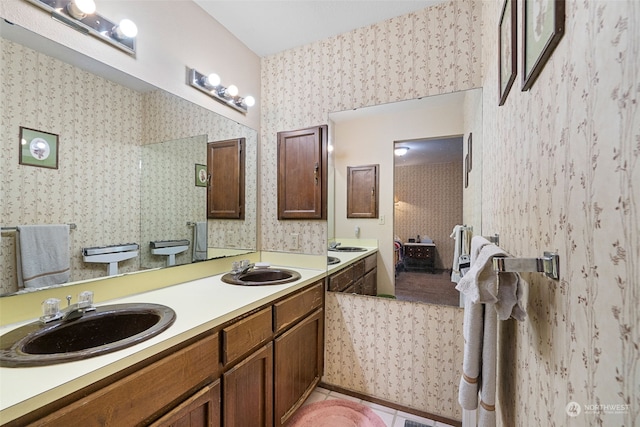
{"type": "Point", "coordinates": [241, 267]}
{"type": "Point", "coordinates": [334, 245]}
{"type": "Point", "coordinates": [51, 309]}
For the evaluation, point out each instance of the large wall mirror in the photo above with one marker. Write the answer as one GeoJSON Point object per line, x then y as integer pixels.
{"type": "Point", "coordinates": [435, 186]}
{"type": "Point", "coordinates": [127, 161]}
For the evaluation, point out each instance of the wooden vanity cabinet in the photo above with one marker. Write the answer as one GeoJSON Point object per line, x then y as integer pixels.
{"type": "Point", "coordinates": [255, 370]}
{"type": "Point", "coordinates": [299, 350]}
{"type": "Point", "coordinates": [143, 396]}
{"type": "Point", "coordinates": [359, 278]}
{"type": "Point", "coordinates": [200, 410]}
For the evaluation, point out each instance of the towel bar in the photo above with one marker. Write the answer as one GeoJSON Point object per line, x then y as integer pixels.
{"type": "Point", "coordinates": [548, 264]}
{"type": "Point", "coordinates": [72, 226]}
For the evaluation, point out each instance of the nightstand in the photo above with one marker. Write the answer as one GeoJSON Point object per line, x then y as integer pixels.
{"type": "Point", "coordinates": [420, 256]}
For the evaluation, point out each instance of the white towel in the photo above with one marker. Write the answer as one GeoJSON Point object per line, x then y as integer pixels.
{"type": "Point", "coordinates": [42, 255]}
{"type": "Point", "coordinates": [200, 245]}
{"type": "Point", "coordinates": [488, 297]}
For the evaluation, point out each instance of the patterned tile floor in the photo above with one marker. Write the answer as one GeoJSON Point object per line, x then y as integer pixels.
{"type": "Point", "coordinates": [390, 416]}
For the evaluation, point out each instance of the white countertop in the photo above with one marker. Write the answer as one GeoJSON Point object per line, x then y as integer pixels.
{"type": "Point", "coordinates": [199, 305]}
{"type": "Point", "coordinates": [347, 258]}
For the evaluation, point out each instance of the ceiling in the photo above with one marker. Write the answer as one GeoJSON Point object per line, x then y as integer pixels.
{"type": "Point", "coordinates": [271, 26]}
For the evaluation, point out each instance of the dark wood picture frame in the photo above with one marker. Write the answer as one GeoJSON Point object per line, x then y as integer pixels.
{"type": "Point", "coordinates": [38, 148]}
{"type": "Point", "coordinates": [507, 53]}
{"type": "Point", "coordinates": [547, 23]}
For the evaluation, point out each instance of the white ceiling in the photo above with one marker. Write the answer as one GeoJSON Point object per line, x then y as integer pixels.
{"type": "Point", "coordinates": [272, 26]}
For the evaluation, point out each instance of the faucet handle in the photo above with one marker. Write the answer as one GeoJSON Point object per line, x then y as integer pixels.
{"type": "Point", "coordinates": [85, 299]}
{"type": "Point", "coordinates": [50, 310]}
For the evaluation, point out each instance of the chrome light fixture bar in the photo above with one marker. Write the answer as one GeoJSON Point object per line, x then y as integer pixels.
{"type": "Point", "coordinates": [77, 15]}
{"type": "Point", "coordinates": [211, 86]}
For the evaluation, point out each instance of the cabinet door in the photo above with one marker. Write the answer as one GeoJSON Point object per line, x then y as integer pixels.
{"type": "Point", "coordinates": [302, 173]}
{"type": "Point", "coordinates": [200, 410]}
{"type": "Point", "coordinates": [247, 398]}
{"type": "Point", "coordinates": [362, 191]}
{"type": "Point", "coordinates": [299, 361]}
{"type": "Point", "coordinates": [225, 166]}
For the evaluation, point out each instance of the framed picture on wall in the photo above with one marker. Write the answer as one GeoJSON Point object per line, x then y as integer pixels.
{"type": "Point", "coordinates": [507, 42]}
{"type": "Point", "coordinates": [38, 148]}
{"type": "Point", "coordinates": [542, 29]}
{"type": "Point", "coordinates": [201, 175]}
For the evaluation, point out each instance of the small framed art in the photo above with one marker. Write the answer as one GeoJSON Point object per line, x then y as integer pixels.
{"type": "Point", "coordinates": [201, 175]}
{"type": "Point", "coordinates": [542, 29]}
{"type": "Point", "coordinates": [508, 57]}
{"type": "Point", "coordinates": [38, 148]}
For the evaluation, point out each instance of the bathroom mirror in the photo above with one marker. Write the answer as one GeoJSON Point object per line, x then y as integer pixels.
{"type": "Point", "coordinates": [368, 136]}
{"type": "Point", "coordinates": [108, 124]}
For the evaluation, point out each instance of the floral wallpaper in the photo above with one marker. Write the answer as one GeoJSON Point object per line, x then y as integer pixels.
{"type": "Point", "coordinates": [398, 351]}
{"type": "Point", "coordinates": [95, 119]}
{"type": "Point", "coordinates": [565, 157]}
{"type": "Point", "coordinates": [433, 51]}
{"type": "Point", "coordinates": [429, 203]}
{"type": "Point", "coordinates": [560, 173]}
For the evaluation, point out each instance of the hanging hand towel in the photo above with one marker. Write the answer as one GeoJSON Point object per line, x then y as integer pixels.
{"type": "Point", "coordinates": [200, 241]}
{"type": "Point", "coordinates": [43, 257]}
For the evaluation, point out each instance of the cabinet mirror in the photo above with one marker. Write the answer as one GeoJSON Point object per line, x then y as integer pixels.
{"type": "Point", "coordinates": [126, 162]}
{"type": "Point", "coordinates": [422, 193]}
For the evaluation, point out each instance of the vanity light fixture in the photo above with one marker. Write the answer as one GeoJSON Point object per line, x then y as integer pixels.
{"type": "Point", "coordinates": [211, 85]}
{"type": "Point", "coordinates": [400, 151]}
{"type": "Point", "coordinates": [81, 15]}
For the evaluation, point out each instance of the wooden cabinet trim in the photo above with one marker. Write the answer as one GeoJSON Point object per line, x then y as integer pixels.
{"type": "Point", "coordinates": [201, 409]}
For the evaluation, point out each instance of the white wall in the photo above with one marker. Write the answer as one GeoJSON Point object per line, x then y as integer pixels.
{"type": "Point", "coordinates": [172, 35]}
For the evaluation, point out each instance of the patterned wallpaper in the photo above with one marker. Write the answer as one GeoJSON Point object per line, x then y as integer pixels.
{"type": "Point", "coordinates": [399, 351]}
{"type": "Point", "coordinates": [101, 126]}
{"type": "Point", "coordinates": [43, 93]}
{"type": "Point", "coordinates": [429, 203]}
{"type": "Point", "coordinates": [433, 51]}
{"type": "Point", "coordinates": [566, 159]}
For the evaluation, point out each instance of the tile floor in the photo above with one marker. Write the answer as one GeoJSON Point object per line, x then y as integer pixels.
{"type": "Point", "coordinates": [390, 416]}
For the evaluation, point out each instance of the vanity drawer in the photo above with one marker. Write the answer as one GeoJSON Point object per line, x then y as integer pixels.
{"type": "Point", "coordinates": [341, 280]}
{"type": "Point", "coordinates": [370, 263]}
{"type": "Point", "coordinates": [294, 308]}
{"type": "Point", "coordinates": [246, 334]}
{"type": "Point", "coordinates": [358, 269]}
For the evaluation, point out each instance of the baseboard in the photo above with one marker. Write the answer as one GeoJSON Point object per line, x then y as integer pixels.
{"type": "Point", "coordinates": [372, 399]}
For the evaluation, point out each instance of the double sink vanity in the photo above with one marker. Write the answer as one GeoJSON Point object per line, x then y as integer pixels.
{"type": "Point", "coordinates": [234, 355]}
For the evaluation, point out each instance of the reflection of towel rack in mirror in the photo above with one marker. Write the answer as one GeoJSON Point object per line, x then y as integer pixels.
{"type": "Point", "coordinates": [72, 226]}
{"type": "Point", "coordinates": [548, 264]}
{"type": "Point", "coordinates": [191, 224]}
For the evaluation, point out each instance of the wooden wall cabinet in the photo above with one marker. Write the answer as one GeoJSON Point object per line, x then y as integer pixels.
{"type": "Point", "coordinates": [302, 173]}
{"type": "Point", "coordinates": [362, 191]}
{"type": "Point", "coordinates": [225, 168]}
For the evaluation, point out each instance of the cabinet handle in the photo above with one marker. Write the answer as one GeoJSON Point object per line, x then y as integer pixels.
{"type": "Point", "coordinates": [209, 180]}
{"type": "Point", "coordinates": [373, 191]}
{"type": "Point", "coordinates": [315, 172]}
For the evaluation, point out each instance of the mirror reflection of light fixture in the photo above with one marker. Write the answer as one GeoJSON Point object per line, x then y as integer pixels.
{"type": "Point", "coordinates": [81, 15]}
{"type": "Point", "coordinates": [210, 85]}
{"type": "Point", "coordinates": [400, 151]}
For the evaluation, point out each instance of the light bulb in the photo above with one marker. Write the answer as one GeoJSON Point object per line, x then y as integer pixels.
{"type": "Point", "coordinates": [212, 80]}
{"type": "Point", "coordinates": [127, 29]}
{"type": "Point", "coordinates": [232, 90]}
{"type": "Point", "coordinates": [79, 9]}
{"type": "Point", "coordinates": [249, 101]}
{"type": "Point", "coordinates": [400, 151]}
